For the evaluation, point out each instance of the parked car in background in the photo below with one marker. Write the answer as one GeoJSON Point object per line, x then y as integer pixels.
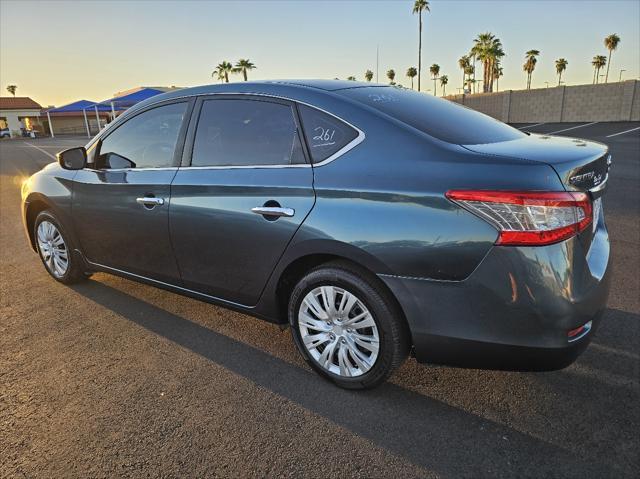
{"type": "Point", "coordinates": [373, 220]}
{"type": "Point", "coordinates": [5, 133]}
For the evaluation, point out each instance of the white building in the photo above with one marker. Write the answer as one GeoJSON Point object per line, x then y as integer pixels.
{"type": "Point", "coordinates": [17, 113]}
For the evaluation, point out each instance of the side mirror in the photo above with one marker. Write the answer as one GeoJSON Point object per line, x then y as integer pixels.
{"type": "Point", "coordinates": [73, 158]}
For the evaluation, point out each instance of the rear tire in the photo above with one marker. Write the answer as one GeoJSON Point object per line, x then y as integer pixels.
{"type": "Point", "coordinates": [347, 327]}
{"type": "Point", "coordinates": [56, 249]}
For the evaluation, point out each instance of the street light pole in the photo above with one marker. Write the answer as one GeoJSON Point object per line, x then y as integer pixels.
{"type": "Point", "coordinates": [620, 77]}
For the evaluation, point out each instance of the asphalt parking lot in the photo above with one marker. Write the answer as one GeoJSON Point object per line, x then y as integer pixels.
{"type": "Point", "coordinates": [114, 378]}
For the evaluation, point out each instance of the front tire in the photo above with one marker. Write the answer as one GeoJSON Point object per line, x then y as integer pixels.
{"type": "Point", "coordinates": [347, 327]}
{"type": "Point", "coordinates": [56, 249]}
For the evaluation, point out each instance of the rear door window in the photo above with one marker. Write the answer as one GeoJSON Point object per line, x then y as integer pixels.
{"type": "Point", "coordinates": [246, 133]}
{"type": "Point", "coordinates": [326, 135]}
{"type": "Point", "coordinates": [442, 119]}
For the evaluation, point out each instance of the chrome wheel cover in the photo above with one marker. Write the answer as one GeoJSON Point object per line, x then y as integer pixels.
{"type": "Point", "coordinates": [338, 331]}
{"type": "Point", "coordinates": [53, 249]}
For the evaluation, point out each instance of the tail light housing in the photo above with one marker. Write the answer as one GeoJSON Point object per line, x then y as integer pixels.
{"type": "Point", "coordinates": [529, 218]}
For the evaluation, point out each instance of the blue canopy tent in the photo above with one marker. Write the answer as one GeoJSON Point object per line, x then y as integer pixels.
{"type": "Point", "coordinates": [79, 106]}
{"type": "Point", "coordinates": [122, 102]}
{"type": "Point", "coordinates": [112, 105]}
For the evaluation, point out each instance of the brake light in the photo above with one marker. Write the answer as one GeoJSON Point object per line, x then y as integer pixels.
{"type": "Point", "coordinates": [529, 218]}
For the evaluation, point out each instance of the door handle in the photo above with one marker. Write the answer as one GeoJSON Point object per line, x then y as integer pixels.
{"type": "Point", "coordinates": [150, 201]}
{"type": "Point", "coordinates": [274, 211]}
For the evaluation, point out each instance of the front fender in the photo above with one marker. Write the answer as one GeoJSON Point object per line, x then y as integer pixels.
{"type": "Point", "coordinates": [50, 189]}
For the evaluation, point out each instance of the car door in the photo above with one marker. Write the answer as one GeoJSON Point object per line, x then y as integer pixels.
{"type": "Point", "coordinates": [244, 190]}
{"type": "Point", "coordinates": [121, 201]}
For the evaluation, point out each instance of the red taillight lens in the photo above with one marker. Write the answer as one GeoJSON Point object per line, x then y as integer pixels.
{"type": "Point", "coordinates": [529, 218]}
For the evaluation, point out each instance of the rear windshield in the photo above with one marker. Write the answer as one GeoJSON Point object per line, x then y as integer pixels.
{"type": "Point", "coordinates": [442, 119]}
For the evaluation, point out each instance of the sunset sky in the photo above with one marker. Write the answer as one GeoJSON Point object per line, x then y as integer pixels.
{"type": "Point", "coordinates": [58, 52]}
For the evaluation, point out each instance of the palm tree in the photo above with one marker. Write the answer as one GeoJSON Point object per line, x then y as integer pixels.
{"type": "Point", "coordinates": [561, 65]}
{"type": "Point", "coordinates": [444, 79]}
{"type": "Point", "coordinates": [434, 70]}
{"type": "Point", "coordinates": [218, 75]}
{"type": "Point", "coordinates": [611, 42]}
{"type": "Point", "coordinates": [243, 65]}
{"type": "Point", "coordinates": [368, 75]}
{"type": "Point", "coordinates": [530, 65]}
{"type": "Point", "coordinates": [351, 78]}
{"type": "Point", "coordinates": [420, 6]}
{"type": "Point", "coordinates": [391, 74]}
{"type": "Point", "coordinates": [12, 89]}
{"type": "Point", "coordinates": [222, 71]}
{"type": "Point", "coordinates": [411, 73]}
{"type": "Point", "coordinates": [488, 50]}
{"type": "Point", "coordinates": [473, 53]}
{"type": "Point", "coordinates": [497, 73]}
{"type": "Point", "coordinates": [469, 71]}
{"type": "Point", "coordinates": [463, 63]}
{"type": "Point", "coordinates": [598, 62]}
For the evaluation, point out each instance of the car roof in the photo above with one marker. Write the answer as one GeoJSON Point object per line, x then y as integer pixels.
{"type": "Point", "coordinates": [265, 86]}
{"type": "Point", "coordinates": [294, 89]}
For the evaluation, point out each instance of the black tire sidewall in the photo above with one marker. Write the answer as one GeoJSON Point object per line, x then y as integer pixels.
{"type": "Point", "coordinates": [383, 315]}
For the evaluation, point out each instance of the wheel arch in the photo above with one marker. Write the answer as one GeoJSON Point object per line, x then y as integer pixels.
{"type": "Point", "coordinates": [35, 204]}
{"type": "Point", "coordinates": [297, 267]}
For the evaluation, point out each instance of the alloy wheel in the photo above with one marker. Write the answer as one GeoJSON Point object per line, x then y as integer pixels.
{"type": "Point", "coordinates": [338, 331]}
{"type": "Point", "coordinates": [53, 249]}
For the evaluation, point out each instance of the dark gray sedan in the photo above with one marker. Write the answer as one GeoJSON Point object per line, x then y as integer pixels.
{"type": "Point", "coordinates": [374, 220]}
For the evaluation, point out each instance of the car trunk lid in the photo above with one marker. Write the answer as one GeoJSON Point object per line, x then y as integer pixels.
{"type": "Point", "coordinates": [581, 165]}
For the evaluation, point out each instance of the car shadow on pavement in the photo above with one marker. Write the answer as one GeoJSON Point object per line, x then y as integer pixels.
{"type": "Point", "coordinates": [427, 432]}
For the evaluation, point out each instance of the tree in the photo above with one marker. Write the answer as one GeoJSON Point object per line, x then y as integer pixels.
{"type": "Point", "coordinates": [420, 6]}
{"type": "Point", "coordinates": [434, 70]}
{"type": "Point", "coordinates": [368, 75]}
{"type": "Point", "coordinates": [411, 73]}
{"type": "Point", "coordinates": [444, 79]}
{"type": "Point", "coordinates": [469, 71]}
{"type": "Point", "coordinates": [351, 78]}
{"type": "Point", "coordinates": [463, 63]}
{"type": "Point", "coordinates": [488, 49]}
{"type": "Point", "coordinates": [222, 71]}
{"type": "Point", "coordinates": [561, 66]}
{"type": "Point", "coordinates": [391, 74]}
{"type": "Point", "coordinates": [243, 65]}
{"type": "Point", "coordinates": [530, 65]}
{"type": "Point", "coordinates": [12, 89]}
{"type": "Point", "coordinates": [598, 62]}
{"type": "Point", "coordinates": [497, 73]}
{"type": "Point", "coordinates": [611, 42]}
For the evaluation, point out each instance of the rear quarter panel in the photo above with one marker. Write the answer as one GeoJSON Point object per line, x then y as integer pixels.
{"type": "Point", "coordinates": [386, 198]}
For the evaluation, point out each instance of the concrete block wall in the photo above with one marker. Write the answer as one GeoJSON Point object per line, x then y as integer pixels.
{"type": "Point", "coordinates": [619, 101]}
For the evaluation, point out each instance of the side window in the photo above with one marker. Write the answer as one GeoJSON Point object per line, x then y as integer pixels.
{"type": "Point", "coordinates": [246, 133]}
{"type": "Point", "coordinates": [147, 140]}
{"type": "Point", "coordinates": [325, 134]}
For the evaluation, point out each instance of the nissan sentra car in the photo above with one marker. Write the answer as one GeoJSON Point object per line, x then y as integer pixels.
{"type": "Point", "coordinates": [375, 221]}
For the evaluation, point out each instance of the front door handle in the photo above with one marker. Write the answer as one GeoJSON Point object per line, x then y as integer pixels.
{"type": "Point", "coordinates": [276, 211]}
{"type": "Point", "coordinates": [150, 201]}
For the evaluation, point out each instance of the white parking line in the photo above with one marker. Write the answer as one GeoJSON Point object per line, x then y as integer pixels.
{"type": "Point", "coordinates": [623, 132]}
{"type": "Point", "coordinates": [572, 128]}
{"type": "Point", "coordinates": [530, 126]}
{"type": "Point", "coordinates": [40, 149]}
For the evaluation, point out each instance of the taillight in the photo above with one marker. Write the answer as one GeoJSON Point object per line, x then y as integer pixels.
{"type": "Point", "coordinates": [529, 218]}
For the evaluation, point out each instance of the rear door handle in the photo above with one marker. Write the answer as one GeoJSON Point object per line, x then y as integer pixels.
{"type": "Point", "coordinates": [274, 211]}
{"type": "Point", "coordinates": [150, 201]}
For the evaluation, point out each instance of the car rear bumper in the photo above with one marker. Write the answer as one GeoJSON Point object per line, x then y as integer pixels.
{"type": "Point", "coordinates": [515, 310]}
